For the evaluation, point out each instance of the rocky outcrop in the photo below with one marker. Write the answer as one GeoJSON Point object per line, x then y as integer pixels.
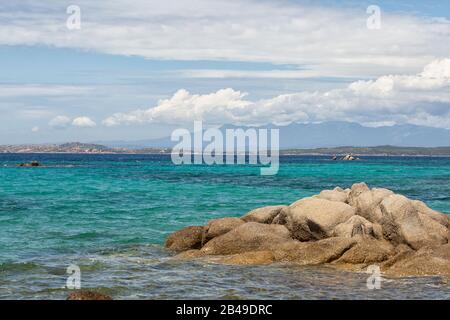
{"type": "Point", "coordinates": [348, 229]}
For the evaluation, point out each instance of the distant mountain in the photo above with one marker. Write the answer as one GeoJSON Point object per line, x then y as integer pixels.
{"type": "Point", "coordinates": [138, 144]}
{"type": "Point", "coordinates": [333, 134]}
{"type": "Point", "coordinates": [330, 134]}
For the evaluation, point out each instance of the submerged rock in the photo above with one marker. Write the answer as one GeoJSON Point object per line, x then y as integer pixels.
{"type": "Point", "coordinates": [87, 295]}
{"type": "Point", "coordinates": [348, 229]}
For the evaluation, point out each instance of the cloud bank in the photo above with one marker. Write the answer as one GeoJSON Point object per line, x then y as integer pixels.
{"type": "Point", "coordinates": [323, 40]}
{"type": "Point", "coordinates": [422, 99]}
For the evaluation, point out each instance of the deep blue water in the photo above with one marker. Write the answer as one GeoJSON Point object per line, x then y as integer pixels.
{"type": "Point", "coordinates": [110, 214]}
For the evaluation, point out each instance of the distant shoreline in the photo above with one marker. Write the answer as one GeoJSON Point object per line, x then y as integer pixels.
{"type": "Point", "coordinates": [376, 151]}
{"type": "Point", "coordinates": [281, 154]}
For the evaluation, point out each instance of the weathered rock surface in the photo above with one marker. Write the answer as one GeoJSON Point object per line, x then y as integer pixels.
{"type": "Point", "coordinates": [314, 252]}
{"type": "Point", "coordinates": [426, 261]}
{"type": "Point", "coordinates": [334, 195]}
{"type": "Point", "coordinates": [315, 218]}
{"type": "Point", "coordinates": [367, 203]}
{"type": "Point", "coordinates": [348, 229]}
{"type": "Point", "coordinates": [264, 215]}
{"type": "Point", "coordinates": [403, 223]}
{"type": "Point", "coordinates": [186, 239]}
{"type": "Point", "coordinates": [218, 227]}
{"type": "Point", "coordinates": [367, 251]}
{"type": "Point", "coordinates": [357, 225]}
{"type": "Point", "coordinates": [251, 236]}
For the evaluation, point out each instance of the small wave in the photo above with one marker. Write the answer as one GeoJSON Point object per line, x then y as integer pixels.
{"type": "Point", "coordinates": [84, 235]}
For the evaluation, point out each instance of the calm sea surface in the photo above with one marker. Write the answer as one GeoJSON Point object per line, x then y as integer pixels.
{"type": "Point", "coordinates": [110, 214]}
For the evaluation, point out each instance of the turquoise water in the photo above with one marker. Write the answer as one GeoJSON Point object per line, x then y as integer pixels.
{"type": "Point", "coordinates": [110, 214]}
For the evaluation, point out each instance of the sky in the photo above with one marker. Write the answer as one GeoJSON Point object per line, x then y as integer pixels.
{"type": "Point", "coordinates": [139, 70]}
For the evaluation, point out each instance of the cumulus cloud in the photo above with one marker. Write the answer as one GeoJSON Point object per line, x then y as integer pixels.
{"type": "Point", "coordinates": [60, 122]}
{"type": "Point", "coordinates": [83, 122]}
{"type": "Point", "coordinates": [325, 40]}
{"type": "Point", "coordinates": [422, 98]}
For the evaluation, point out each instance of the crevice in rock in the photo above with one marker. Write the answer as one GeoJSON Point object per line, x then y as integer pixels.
{"type": "Point", "coordinates": [341, 253]}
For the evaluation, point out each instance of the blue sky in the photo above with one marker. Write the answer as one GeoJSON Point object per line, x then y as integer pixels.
{"type": "Point", "coordinates": [138, 72]}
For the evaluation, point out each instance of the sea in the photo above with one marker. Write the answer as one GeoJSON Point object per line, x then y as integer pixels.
{"type": "Point", "coordinates": [108, 216]}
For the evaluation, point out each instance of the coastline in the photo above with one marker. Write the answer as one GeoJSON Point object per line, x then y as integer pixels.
{"type": "Point", "coordinates": [87, 148]}
{"type": "Point", "coordinates": [281, 154]}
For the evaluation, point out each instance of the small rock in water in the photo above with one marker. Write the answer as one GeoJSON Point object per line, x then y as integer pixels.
{"type": "Point", "coordinates": [30, 164]}
{"type": "Point", "coordinates": [87, 295]}
{"type": "Point", "coordinates": [349, 157]}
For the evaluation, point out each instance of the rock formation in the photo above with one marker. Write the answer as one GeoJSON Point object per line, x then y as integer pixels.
{"type": "Point", "coordinates": [348, 229]}
{"type": "Point", "coordinates": [349, 157]}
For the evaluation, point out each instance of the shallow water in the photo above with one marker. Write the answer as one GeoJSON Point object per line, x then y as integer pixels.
{"type": "Point", "coordinates": [110, 214]}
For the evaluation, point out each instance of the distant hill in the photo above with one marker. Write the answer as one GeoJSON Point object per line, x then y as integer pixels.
{"type": "Point", "coordinates": [72, 147]}
{"type": "Point", "coordinates": [379, 150]}
{"type": "Point", "coordinates": [330, 134]}
{"type": "Point", "coordinates": [77, 147]}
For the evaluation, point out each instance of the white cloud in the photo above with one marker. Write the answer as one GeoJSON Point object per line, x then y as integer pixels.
{"type": "Point", "coordinates": [60, 122]}
{"type": "Point", "coordinates": [35, 129]}
{"type": "Point", "coordinates": [273, 74]}
{"type": "Point", "coordinates": [31, 90]}
{"type": "Point", "coordinates": [83, 122]}
{"type": "Point", "coordinates": [328, 41]}
{"type": "Point", "coordinates": [423, 98]}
